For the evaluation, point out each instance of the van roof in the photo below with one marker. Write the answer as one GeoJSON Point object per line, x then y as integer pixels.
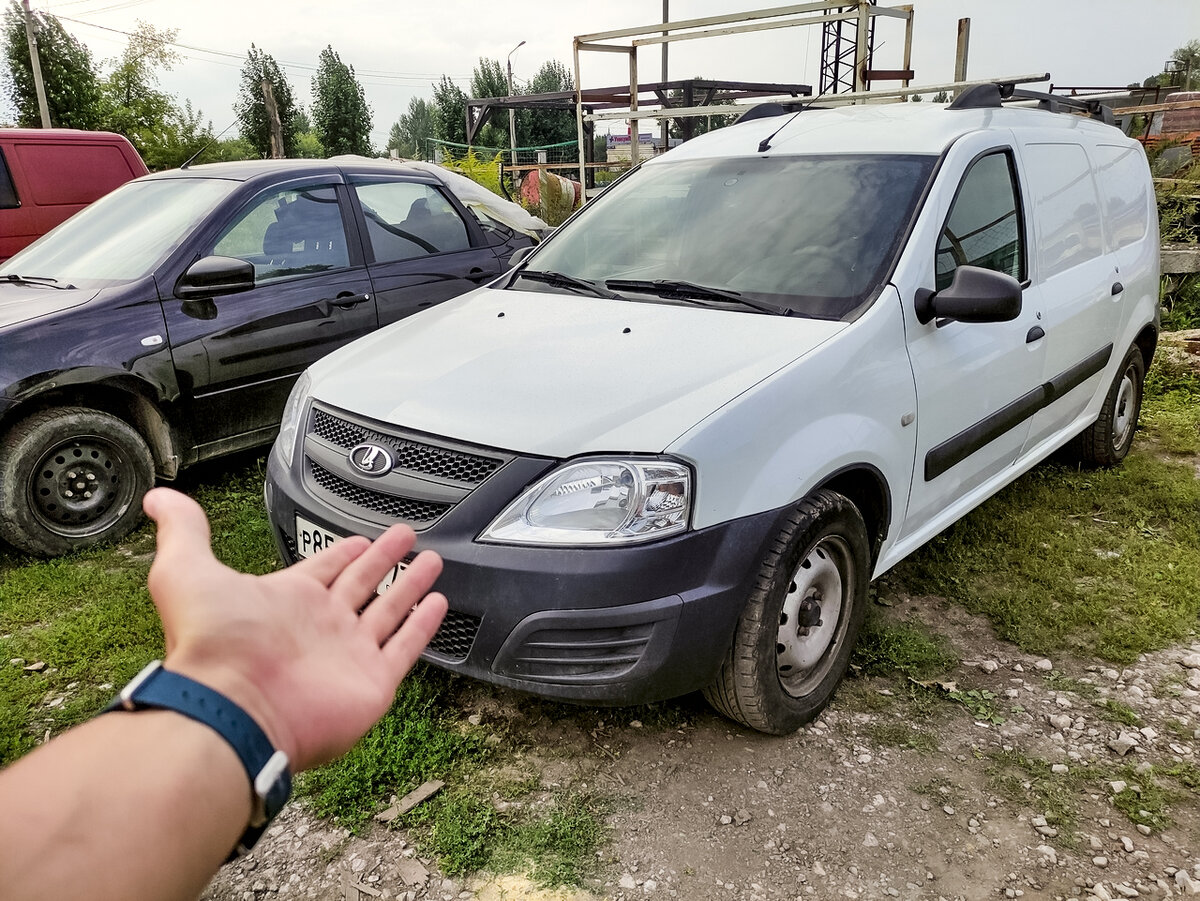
{"type": "Point", "coordinates": [244, 170]}
{"type": "Point", "coordinates": [909, 128]}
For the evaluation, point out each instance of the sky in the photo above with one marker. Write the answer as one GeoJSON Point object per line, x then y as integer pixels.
{"type": "Point", "coordinates": [399, 49]}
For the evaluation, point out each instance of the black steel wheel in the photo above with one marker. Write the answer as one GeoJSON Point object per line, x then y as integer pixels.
{"type": "Point", "coordinates": [1106, 442]}
{"type": "Point", "coordinates": [794, 639]}
{"type": "Point", "coordinates": [71, 477]}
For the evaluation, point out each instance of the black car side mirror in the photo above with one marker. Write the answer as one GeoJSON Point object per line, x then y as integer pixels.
{"type": "Point", "coordinates": [975, 295]}
{"type": "Point", "coordinates": [518, 256]}
{"type": "Point", "coordinates": [213, 277]}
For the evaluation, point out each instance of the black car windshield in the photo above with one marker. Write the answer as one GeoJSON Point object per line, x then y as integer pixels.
{"type": "Point", "coordinates": [123, 235]}
{"type": "Point", "coordinates": [808, 234]}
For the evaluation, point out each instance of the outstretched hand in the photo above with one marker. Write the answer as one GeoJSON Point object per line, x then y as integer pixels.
{"type": "Point", "coordinates": [297, 649]}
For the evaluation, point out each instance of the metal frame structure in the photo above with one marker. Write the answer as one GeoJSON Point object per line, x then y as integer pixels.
{"type": "Point", "coordinates": [861, 11]}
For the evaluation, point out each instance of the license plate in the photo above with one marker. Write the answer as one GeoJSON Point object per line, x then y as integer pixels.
{"type": "Point", "coordinates": [312, 538]}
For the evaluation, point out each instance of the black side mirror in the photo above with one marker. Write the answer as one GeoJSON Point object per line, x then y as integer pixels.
{"type": "Point", "coordinates": [213, 277]}
{"type": "Point", "coordinates": [975, 295]}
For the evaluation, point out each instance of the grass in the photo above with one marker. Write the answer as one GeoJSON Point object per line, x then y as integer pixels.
{"type": "Point", "coordinates": [1094, 562]}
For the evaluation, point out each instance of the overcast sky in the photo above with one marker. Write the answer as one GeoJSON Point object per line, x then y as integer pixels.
{"type": "Point", "coordinates": [399, 49]}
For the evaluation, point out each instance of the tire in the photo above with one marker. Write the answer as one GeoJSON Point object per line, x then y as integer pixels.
{"type": "Point", "coordinates": [775, 679]}
{"type": "Point", "coordinates": [1106, 441]}
{"type": "Point", "coordinates": [71, 477]}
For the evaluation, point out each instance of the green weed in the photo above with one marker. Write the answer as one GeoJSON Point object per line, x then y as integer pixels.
{"type": "Point", "coordinates": [887, 647]}
{"type": "Point", "coordinates": [1117, 712]}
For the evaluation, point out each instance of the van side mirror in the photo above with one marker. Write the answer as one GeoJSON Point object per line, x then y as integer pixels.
{"type": "Point", "coordinates": [975, 295]}
{"type": "Point", "coordinates": [213, 277]}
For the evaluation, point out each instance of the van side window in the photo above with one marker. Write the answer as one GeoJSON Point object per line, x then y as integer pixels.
{"type": "Point", "coordinates": [8, 191]}
{"type": "Point", "coordinates": [984, 227]}
{"type": "Point", "coordinates": [288, 232]}
{"type": "Point", "coordinates": [408, 219]}
{"type": "Point", "coordinates": [1128, 204]}
{"type": "Point", "coordinates": [1064, 196]}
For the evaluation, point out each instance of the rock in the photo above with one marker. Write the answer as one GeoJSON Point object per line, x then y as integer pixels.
{"type": "Point", "coordinates": [742, 817]}
{"type": "Point", "coordinates": [1048, 854]}
{"type": "Point", "coordinates": [1060, 721]}
{"type": "Point", "coordinates": [627, 882]}
{"type": "Point", "coordinates": [1186, 884]}
{"type": "Point", "coordinates": [1060, 769]}
{"type": "Point", "coordinates": [411, 871]}
{"type": "Point", "coordinates": [1125, 891]}
{"type": "Point", "coordinates": [649, 885]}
{"type": "Point", "coordinates": [636, 724]}
{"type": "Point", "coordinates": [1127, 844]}
{"type": "Point", "coordinates": [35, 667]}
{"type": "Point", "coordinates": [1044, 665]}
{"type": "Point", "coordinates": [1101, 862]}
{"type": "Point", "coordinates": [948, 810]}
{"type": "Point", "coordinates": [725, 820]}
{"type": "Point", "coordinates": [1149, 733]}
{"type": "Point", "coordinates": [1191, 661]}
{"type": "Point", "coordinates": [17, 661]}
{"type": "Point", "coordinates": [1123, 743]}
{"type": "Point", "coordinates": [475, 719]}
{"type": "Point", "coordinates": [870, 841]}
{"type": "Point", "coordinates": [1143, 828]}
{"type": "Point", "coordinates": [819, 870]}
{"type": "Point", "coordinates": [989, 666]}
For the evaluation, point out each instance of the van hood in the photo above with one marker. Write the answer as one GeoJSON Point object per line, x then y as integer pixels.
{"type": "Point", "coordinates": [21, 302]}
{"type": "Point", "coordinates": [558, 375]}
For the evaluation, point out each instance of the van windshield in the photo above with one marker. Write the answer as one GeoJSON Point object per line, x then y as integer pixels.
{"type": "Point", "coordinates": [808, 235]}
{"type": "Point", "coordinates": [123, 235]}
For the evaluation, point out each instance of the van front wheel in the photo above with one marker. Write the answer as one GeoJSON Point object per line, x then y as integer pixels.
{"type": "Point", "coordinates": [794, 639]}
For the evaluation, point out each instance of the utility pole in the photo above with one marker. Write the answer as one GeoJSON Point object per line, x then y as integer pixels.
{"type": "Point", "coordinates": [273, 123]}
{"type": "Point", "coordinates": [36, 62]}
{"type": "Point", "coordinates": [664, 127]}
{"type": "Point", "coordinates": [512, 115]}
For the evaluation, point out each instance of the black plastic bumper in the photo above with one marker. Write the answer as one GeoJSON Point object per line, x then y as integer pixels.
{"type": "Point", "coordinates": [620, 625]}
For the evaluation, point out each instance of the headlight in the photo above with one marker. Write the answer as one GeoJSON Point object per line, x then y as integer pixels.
{"type": "Point", "coordinates": [599, 501]}
{"type": "Point", "coordinates": [290, 424]}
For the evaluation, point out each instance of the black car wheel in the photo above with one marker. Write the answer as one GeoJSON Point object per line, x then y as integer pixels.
{"type": "Point", "coordinates": [1106, 441]}
{"type": "Point", "coordinates": [69, 478]}
{"type": "Point", "coordinates": [794, 639]}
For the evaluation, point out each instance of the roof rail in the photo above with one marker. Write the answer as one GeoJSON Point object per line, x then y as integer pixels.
{"type": "Point", "coordinates": [992, 96]}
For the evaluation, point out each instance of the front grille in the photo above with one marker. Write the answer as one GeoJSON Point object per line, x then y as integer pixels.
{"type": "Point", "coordinates": [455, 635]}
{"type": "Point", "coordinates": [413, 456]}
{"type": "Point", "coordinates": [391, 506]}
{"type": "Point", "coordinates": [606, 652]}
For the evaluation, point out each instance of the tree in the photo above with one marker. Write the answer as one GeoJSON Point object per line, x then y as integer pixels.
{"type": "Point", "coordinates": [1187, 61]}
{"type": "Point", "coordinates": [449, 112]}
{"type": "Point", "coordinates": [134, 106]}
{"type": "Point", "coordinates": [341, 117]}
{"type": "Point", "coordinates": [489, 80]}
{"type": "Point", "coordinates": [412, 131]}
{"type": "Point", "coordinates": [548, 126]}
{"type": "Point", "coordinates": [941, 97]}
{"type": "Point", "coordinates": [699, 124]}
{"type": "Point", "coordinates": [251, 105]}
{"type": "Point", "coordinates": [68, 72]}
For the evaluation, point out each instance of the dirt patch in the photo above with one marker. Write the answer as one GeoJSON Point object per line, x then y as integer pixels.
{"type": "Point", "coordinates": [894, 792]}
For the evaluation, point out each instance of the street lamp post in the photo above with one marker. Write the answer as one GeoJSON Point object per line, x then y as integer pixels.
{"type": "Point", "coordinates": [512, 118]}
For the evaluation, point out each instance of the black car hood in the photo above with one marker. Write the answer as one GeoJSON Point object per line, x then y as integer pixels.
{"type": "Point", "coordinates": [19, 303]}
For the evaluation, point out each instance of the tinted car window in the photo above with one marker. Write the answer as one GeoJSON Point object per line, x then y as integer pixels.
{"type": "Point", "coordinates": [407, 220]}
{"type": "Point", "coordinates": [287, 232]}
{"type": "Point", "coordinates": [8, 192]}
{"type": "Point", "coordinates": [983, 228]}
{"type": "Point", "coordinates": [810, 233]}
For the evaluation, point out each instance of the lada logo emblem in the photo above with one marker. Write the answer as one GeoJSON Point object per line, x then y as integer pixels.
{"type": "Point", "coordinates": [371, 459]}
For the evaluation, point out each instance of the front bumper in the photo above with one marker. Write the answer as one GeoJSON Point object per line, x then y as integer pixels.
{"type": "Point", "coordinates": [620, 625]}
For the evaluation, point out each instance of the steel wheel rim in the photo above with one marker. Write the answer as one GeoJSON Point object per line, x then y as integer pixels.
{"type": "Point", "coordinates": [1123, 409]}
{"type": "Point", "coordinates": [815, 608]}
{"type": "Point", "coordinates": [80, 486]}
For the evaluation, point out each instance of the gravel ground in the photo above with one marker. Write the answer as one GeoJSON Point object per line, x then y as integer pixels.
{"type": "Point", "coordinates": [872, 800]}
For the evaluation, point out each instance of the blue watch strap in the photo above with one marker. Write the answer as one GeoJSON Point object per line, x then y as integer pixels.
{"type": "Point", "coordinates": [270, 778]}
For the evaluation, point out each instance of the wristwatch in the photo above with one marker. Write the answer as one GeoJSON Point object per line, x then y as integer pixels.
{"type": "Point", "coordinates": [155, 688]}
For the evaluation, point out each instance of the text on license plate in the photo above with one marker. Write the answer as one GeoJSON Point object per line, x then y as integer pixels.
{"type": "Point", "coordinates": [312, 538]}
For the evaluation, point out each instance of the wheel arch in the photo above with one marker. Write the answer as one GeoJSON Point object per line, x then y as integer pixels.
{"type": "Point", "coordinates": [1147, 341]}
{"type": "Point", "coordinates": [866, 487]}
{"type": "Point", "coordinates": [125, 398]}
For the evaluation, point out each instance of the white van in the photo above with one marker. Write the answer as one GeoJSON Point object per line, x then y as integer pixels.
{"type": "Point", "coordinates": [672, 448]}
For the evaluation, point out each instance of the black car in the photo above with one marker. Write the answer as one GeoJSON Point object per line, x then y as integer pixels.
{"type": "Point", "coordinates": [166, 323]}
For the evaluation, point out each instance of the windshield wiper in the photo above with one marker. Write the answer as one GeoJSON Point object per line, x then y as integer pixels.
{"type": "Point", "coordinates": [44, 281]}
{"type": "Point", "coordinates": [562, 280]}
{"type": "Point", "coordinates": [681, 290]}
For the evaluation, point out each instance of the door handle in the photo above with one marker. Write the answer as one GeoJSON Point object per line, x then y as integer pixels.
{"type": "Point", "coordinates": [1037, 333]}
{"type": "Point", "coordinates": [477, 274]}
{"type": "Point", "coordinates": [343, 301]}
{"type": "Point", "coordinates": [1117, 288]}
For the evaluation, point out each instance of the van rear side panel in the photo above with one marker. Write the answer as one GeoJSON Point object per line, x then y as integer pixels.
{"type": "Point", "coordinates": [46, 176]}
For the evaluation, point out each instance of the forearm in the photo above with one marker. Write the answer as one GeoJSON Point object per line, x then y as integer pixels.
{"type": "Point", "coordinates": [126, 806]}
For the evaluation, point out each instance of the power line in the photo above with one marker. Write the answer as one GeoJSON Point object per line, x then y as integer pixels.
{"type": "Point", "coordinates": [368, 75]}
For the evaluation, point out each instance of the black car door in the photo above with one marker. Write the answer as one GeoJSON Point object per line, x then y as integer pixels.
{"type": "Point", "coordinates": [238, 355]}
{"type": "Point", "coordinates": [421, 246]}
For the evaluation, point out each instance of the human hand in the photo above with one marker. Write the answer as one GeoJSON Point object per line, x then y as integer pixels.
{"type": "Point", "coordinates": [296, 648]}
